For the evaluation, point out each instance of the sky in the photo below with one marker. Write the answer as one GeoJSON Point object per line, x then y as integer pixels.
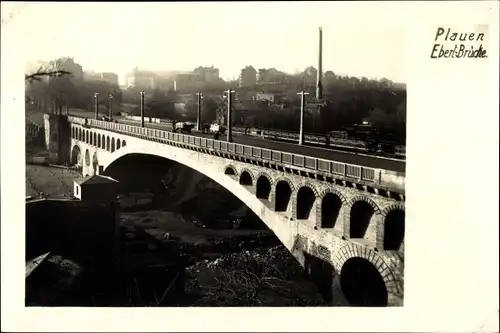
{"type": "Point", "coordinates": [116, 37]}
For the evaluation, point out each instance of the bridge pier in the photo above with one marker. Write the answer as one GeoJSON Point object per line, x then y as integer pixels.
{"type": "Point", "coordinates": [57, 138]}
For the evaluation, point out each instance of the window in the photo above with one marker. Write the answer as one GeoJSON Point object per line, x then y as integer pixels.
{"type": "Point", "coordinates": [76, 189]}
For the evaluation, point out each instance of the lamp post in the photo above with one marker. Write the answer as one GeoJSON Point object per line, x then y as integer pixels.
{"type": "Point", "coordinates": [142, 108]}
{"type": "Point", "coordinates": [198, 114]}
{"type": "Point", "coordinates": [229, 114]}
{"type": "Point", "coordinates": [96, 105]}
{"type": "Point", "coordinates": [302, 107]}
{"type": "Point", "coordinates": [110, 107]}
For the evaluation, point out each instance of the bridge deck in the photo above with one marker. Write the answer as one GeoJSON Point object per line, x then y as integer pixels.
{"type": "Point", "coordinates": [334, 155]}
{"type": "Point", "coordinates": [328, 154]}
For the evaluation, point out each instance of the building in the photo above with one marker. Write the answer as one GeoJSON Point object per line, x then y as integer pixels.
{"type": "Point", "coordinates": [104, 76]}
{"type": "Point", "coordinates": [270, 75]}
{"type": "Point", "coordinates": [141, 79]}
{"type": "Point", "coordinates": [207, 74]}
{"type": "Point", "coordinates": [68, 64]}
{"type": "Point", "coordinates": [310, 74]}
{"type": "Point", "coordinates": [330, 76]}
{"type": "Point", "coordinates": [96, 188]}
{"type": "Point", "coordinates": [248, 77]}
{"type": "Point", "coordinates": [272, 98]}
{"type": "Point", "coordinates": [186, 80]}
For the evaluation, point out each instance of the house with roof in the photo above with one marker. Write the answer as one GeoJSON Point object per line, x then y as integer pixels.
{"type": "Point", "coordinates": [96, 188]}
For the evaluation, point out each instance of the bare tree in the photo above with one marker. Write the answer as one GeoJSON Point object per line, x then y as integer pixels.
{"type": "Point", "coordinates": [44, 72]}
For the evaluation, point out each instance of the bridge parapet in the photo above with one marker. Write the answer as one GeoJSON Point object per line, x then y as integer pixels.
{"type": "Point", "coordinates": [378, 178]}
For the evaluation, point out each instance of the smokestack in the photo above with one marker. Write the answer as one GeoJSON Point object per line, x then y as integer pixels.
{"type": "Point", "coordinates": [319, 80]}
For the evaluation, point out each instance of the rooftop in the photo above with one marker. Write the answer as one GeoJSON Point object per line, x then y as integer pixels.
{"type": "Point", "coordinates": [96, 179]}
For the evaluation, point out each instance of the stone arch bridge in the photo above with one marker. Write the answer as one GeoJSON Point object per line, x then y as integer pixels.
{"type": "Point", "coordinates": [343, 223]}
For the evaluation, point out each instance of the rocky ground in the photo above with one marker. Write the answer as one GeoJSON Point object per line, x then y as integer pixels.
{"type": "Point", "coordinates": [232, 267]}
{"type": "Point", "coordinates": [261, 277]}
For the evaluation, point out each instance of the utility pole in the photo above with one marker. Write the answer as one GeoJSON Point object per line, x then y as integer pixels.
{"type": "Point", "coordinates": [96, 105]}
{"type": "Point", "coordinates": [110, 107]}
{"type": "Point", "coordinates": [142, 108]}
{"type": "Point", "coordinates": [198, 113]}
{"type": "Point", "coordinates": [302, 109]}
{"type": "Point", "coordinates": [229, 120]}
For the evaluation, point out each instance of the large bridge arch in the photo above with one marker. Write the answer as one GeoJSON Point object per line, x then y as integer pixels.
{"type": "Point", "coordinates": [286, 229]}
{"type": "Point", "coordinates": [215, 172]}
{"type": "Point", "coordinates": [362, 269]}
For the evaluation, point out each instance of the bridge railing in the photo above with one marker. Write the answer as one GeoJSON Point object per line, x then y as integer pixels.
{"type": "Point", "coordinates": [346, 170]}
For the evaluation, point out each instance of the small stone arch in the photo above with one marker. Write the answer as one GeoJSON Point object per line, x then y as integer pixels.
{"type": "Point", "coordinates": [87, 137]}
{"type": "Point", "coordinates": [87, 157]}
{"type": "Point", "coordinates": [281, 197]}
{"type": "Point", "coordinates": [124, 143]}
{"type": "Point", "coordinates": [103, 141]}
{"type": "Point", "coordinates": [263, 186]}
{"type": "Point", "coordinates": [311, 186]}
{"type": "Point", "coordinates": [91, 139]}
{"type": "Point", "coordinates": [98, 141]}
{"type": "Point", "coordinates": [80, 134]}
{"type": "Point", "coordinates": [95, 139]}
{"type": "Point", "coordinates": [329, 214]}
{"type": "Point", "coordinates": [112, 145]}
{"type": "Point", "coordinates": [307, 202]}
{"type": "Point", "coordinates": [76, 155]}
{"type": "Point", "coordinates": [381, 227]}
{"type": "Point", "coordinates": [350, 250]}
{"type": "Point", "coordinates": [230, 170]}
{"type": "Point", "coordinates": [334, 191]}
{"type": "Point", "coordinates": [242, 178]}
{"type": "Point", "coordinates": [348, 213]}
{"type": "Point", "coordinates": [118, 144]}
{"type": "Point", "coordinates": [108, 143]}
{"type": "Point", "coordinates": [285, 179]}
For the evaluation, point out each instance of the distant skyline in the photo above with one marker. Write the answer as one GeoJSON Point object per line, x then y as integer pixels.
{"type": "Point", "coordinates": [116, 37]}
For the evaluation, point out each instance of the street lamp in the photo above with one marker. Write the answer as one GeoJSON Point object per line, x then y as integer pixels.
{"type": "Point", "coordinates": [96, 105]}
{"type": "Point", "coordinates": [302, 107]}
{"type": "Point", "coordinates": [110, 107]}
{"type": "Point", "coordinates": [198, 114]}
{"type": "Point", "coordinates": [142, 108]}
{"type": "Point", "coordinates": [229, 128]}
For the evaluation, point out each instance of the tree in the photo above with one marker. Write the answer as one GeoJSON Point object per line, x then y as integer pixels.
{"type": "Point", "coordinates": [159, 105]}
{"type": "Point", "coordinates": [209, 109]}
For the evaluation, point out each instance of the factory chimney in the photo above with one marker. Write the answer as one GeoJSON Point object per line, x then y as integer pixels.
{"type": "Point", "coordinates": [319, 80]}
